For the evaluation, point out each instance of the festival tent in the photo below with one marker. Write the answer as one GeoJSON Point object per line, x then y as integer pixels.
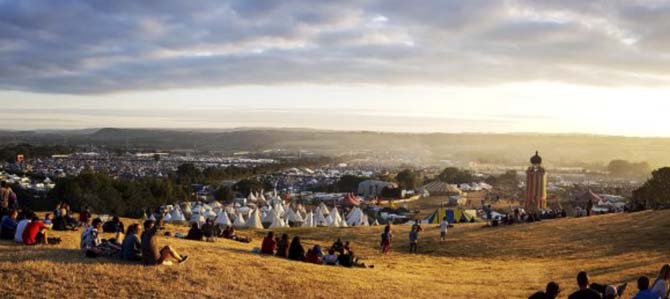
{"type": "Point", "coordinates": [323, 208]}
{"type": "Point", "coordinates": [351, 200]}
{"type": "Point", "coordinates": [356, 217]}
{"type": "Point", "coordinates": [453, 215]}
{"type": "Point", "coordinates": [199, 219]}
{"type": "Point", "coordinates": [239, 221]}
{"type": "Point", "coordinates": [152, 218]}
{"type": "Point", "coordinates": [319, 219]}
{"type": "Point", "coordinates": [309, 220]}
{"type": "Point", "coordinates": [293, 218]}
{"type": "Point", "coordinates": [277, 221]}
{"type": "Point", "coordinates": [210, 214]}
{"type": "Point", "coordinates": [376, 223]}
{"type": "Point", "coordinates": [222, 219]}
{"type": "Point", "coordinates": [334, 219]}
{"type": "Point", "coordinates": [167, 217]}
{"type": "Point", "coordinates": [255, 220]}
{"type": "Point", "coordinates": [252, 197]}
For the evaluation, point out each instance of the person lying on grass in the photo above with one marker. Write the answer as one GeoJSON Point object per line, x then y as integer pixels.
{"type": "Point", "coordinates": [230, 234]}
{"type": "Point", "coordinates": [151, 255]}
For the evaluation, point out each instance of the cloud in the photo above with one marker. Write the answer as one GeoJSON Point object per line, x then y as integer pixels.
{"type": "Point", "coordinates": [89, 47]}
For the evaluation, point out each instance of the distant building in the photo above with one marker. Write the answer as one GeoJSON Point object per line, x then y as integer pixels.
{"type": "Point", "coordinates": [372, 188]}
{"type": "Point", "coordinates": [536, 185]}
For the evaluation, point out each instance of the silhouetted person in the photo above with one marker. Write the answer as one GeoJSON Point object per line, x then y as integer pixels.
{"type": "Point", "coordinates": [584, 292]}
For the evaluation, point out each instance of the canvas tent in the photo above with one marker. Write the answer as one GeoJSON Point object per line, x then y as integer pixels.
{"type": "Point", "coordinates": [255, 220]}
{"type": "Point", "coordinates": [454, 215]}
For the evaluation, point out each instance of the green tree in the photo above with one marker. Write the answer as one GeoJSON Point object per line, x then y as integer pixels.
{"type": "Point", "coordinates": [453, 175]}
{"type": "Point", "coordinates": [654, 193]}
{"type": "Point", "coordinates": [224, 194]}
{"type": "Point", "coordinates": [407, 179]}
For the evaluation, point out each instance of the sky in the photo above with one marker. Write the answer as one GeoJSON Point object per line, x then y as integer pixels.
{"type": "Point", "coordinates": [571, 66]}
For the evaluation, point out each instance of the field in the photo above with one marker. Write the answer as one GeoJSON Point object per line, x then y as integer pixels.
{"type": "Point", "coordinates": [475, 262]}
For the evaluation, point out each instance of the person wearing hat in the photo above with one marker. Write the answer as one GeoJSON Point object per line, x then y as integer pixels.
{"type": "Point", "coordinates": [551, 292]}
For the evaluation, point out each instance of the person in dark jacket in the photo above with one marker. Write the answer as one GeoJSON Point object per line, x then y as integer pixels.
{"type": "Point", "coordinates": [131, 249]}
{"type": "Point", "coordinates": [194, 233]}
{"type": "Point", "coordinates": [282, 246]}
{"type": "Point", "coordinates": [296, 252]}
{"type": "Point", "coordinates": [113, 226]}
{"type": "Point", "coordinates": [208, 230]}
{"type": "Point", "coordinates": [8, 226]}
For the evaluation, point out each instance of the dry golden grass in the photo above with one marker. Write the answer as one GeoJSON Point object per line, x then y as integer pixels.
{"type": "Point", "coordinates": [475, 262]}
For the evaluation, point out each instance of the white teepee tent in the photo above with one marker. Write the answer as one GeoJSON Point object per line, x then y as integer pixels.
{"type": "Point", "coordinates": [255, 220]}
{"type": "Point", "coordinates": [222, 219]}
{"type": "Point", "coordinates": [309, 220]}
{"type": "Point", "coordinates": [239, 221]}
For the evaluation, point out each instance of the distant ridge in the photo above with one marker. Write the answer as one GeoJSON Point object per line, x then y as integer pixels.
{"type": "Point", "coordinates": [558, 148]}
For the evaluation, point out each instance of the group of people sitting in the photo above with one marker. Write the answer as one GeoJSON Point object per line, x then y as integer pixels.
{"type": "Point", "coordinates": [137, 245]}
{"type": "Point", "coordinates": [26, 228]}
{"type": "Point", "coordinates": [659, 289]}
{"type": "Point", "coordinates": [208, 231]}
{"type": "Point", "coordinates": [339, 253]}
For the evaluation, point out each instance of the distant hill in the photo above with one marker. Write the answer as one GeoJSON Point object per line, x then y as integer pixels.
{"type": "Point", "coordinates": [557, 149]}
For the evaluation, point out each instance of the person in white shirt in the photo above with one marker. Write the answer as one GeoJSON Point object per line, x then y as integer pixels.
{"type": "Point", "coordinates": [20, 227]}
{"type": "Point", "coordinates": [443, 229]}
{"type": "Point", "coordinates": [661, 284]}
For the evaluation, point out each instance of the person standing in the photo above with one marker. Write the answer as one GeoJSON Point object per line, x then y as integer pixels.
{"type": "Point", "coordinates": [387, 238]}
{"type": "Point", "coordinates": [444, 225]}
{"type": "Point", "coordinates": [413, 238]}
{"type": "Point", "coordinates": [5, 191]}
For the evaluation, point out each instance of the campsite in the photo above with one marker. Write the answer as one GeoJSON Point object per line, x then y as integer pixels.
{"type": "Point", "coordinates": [505, 262]}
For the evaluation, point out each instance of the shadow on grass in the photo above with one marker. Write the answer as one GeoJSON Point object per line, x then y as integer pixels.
{"type": "Point", "coordinates": [14, 252]}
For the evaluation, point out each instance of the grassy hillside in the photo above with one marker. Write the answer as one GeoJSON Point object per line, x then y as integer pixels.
{"type": "Point", "coordinates": [475, 262]}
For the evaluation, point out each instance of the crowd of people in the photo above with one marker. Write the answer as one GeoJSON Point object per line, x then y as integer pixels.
{"type": "Point", "coordinates": [659, 289]}
{"type": "Point", "coordinates": [25, 227]}
{"type": "Point", "coordinates": [209, 232]}
{"type": "Point", "coordinates": [138, 244]}
{"type": "Point", "coordinates": [339, 254]}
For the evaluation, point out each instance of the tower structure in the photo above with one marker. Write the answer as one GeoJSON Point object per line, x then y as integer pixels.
{"type": "Point", "coordinates": [536, 185]}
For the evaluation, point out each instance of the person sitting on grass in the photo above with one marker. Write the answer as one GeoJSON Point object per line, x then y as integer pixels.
{"type": "Point", "coordinates": [36, 232]}
{"type": "Point", "coordinates": [208, 230]}
{"type": "Point", "coordinates": [84, 216]}
{"type": "Point", "coordinates": [8, 225]}
{"type": "Point", "coordinates": [296, 252]}
{"type": "Point", "coordinates": [194, 234]}
{"type": "Point", "coordinates": [317, 251]}
{"type": "Point", "coordinates": [20, 228]}
{"type": "Point", "coordinates": [61, 222]}
{"type": "Point", "coordinates": [151, 255]}
{"type": "Point", "coordinates": [93, 246]}
{"type": "Point", "coordinates": [551, 292]}
{"type": "Point", "coordinates": [312, 258]}
{"type": "Point", "coordinates": [645, 292]}
{"type": "Point", "coordinates": [338, 246]}
{"type": "Point", "coordinates": [330, 259]}
{"type": "Point", "coordinates": [131, 248]}
{"type": "Point", "coordinates": [113, 226]}
{"type": "Point", "coordinates": [282, 246]}
{"type": "Point", "coordinates": [584, 291]}
{"type": "Point", "coordinates": [269, 244]}
{"type": "Point", "coordinates": [660, 286]}
{"type": "Point", "coordinates": [48, 220]}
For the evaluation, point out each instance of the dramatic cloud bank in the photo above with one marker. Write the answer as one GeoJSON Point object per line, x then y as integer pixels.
{"type": "Point", "coordinates": [101, 46]}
